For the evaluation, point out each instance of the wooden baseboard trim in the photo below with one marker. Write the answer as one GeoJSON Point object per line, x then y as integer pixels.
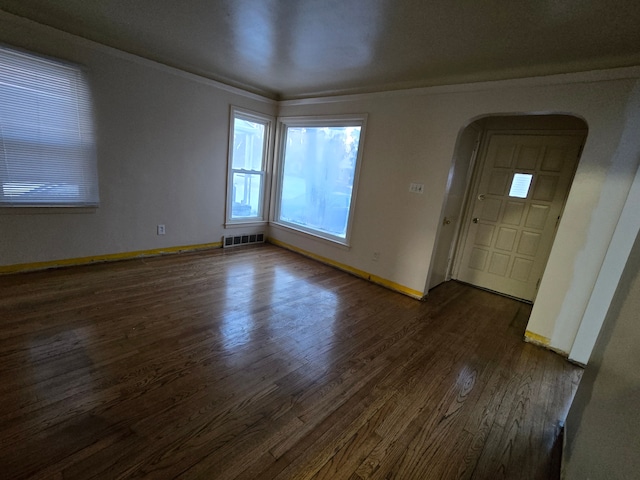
{"type": "Point", "coordinates": [396, 287]}
{"type": "Point", "coordinates": [112, 257]}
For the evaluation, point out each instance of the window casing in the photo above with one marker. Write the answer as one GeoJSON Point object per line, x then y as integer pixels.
{"type": "Point", "coordinates": [250, 144]}
{"type": "Point", "coordinates": [318, 164]}
{"type": "Point", "coordinates": [47, 145]}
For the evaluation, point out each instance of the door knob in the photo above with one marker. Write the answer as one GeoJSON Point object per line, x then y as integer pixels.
{"type": "Point", "coordinates": [446, 221]}
{"type": "Point", "coordinates": [475, 220]}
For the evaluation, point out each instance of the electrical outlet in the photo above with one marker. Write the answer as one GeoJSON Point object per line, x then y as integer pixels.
{"type": "Point", "coordinates": [416, 188]}
{"type": "Point", "coordinates": [161, 230]}
{"type": "Point", "coordinates": [376, 256]}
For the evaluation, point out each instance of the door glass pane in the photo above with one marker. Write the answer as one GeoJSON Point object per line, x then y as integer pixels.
{"type": "Point", "coordinates": [246, 195]}
{"type": "Point", "coordinates": [520, 185]}
{"type": "Point", "coordinates": [248, 144]}
{"type": "Point", "coordinates": [318, 174]}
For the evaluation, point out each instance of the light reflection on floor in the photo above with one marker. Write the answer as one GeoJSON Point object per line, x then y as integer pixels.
{"type": "Point", "coordinates": [296, 327]}
{"type": "Point", "coordinates": [289, 328]}
{"type": "Point", "coordinates": [237, 320]}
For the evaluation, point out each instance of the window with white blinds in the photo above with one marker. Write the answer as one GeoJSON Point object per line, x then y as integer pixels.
{"type": "Point", "coordinates": [47, 147]}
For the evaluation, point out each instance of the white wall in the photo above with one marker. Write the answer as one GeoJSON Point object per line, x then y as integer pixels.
{"type": "Point", "coordinates": [411, 137]}
{"type": "Point", "coordinates": [162, 140]}
{"type": "Point", "coordinates": [611, 177]}
{"type": "Point", "coordinates": [609, 278]}
{"type": "Point", "coordinates": [601, 432]}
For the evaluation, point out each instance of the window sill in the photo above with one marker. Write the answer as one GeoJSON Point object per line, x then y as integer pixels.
{"type": "Point", "coordinates": [248, 223]}
{"type": "Point", "coordinates": [306, 234]}
{"type": "Point", "coordinates": [32, 210]}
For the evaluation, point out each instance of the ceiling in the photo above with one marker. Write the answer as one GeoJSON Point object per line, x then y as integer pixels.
{"type": "Point", "coordinates": [287, 49]}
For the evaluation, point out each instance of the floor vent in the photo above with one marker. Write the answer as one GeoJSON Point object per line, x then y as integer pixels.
{"type": "Point", "coordinates": [237, 240]}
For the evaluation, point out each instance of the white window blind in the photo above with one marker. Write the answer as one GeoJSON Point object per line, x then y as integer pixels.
{"type": "Point", "coordinates": [47, 148]}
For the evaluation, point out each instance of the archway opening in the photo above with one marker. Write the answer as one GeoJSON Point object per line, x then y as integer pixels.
{"type": "Point", "coordinates": [492, 234]}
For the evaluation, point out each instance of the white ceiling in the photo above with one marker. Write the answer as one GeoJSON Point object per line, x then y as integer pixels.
{"type": "Point", "coordinates": [301, 48]}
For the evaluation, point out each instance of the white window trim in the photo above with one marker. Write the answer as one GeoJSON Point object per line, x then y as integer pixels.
{"type": "Point", "coordinates": [315, 121]}
{"type": "Point", "coordinates": [267, 160]}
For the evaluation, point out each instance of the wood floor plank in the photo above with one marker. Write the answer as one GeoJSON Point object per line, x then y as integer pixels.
{"type": "Point", "coordinates": [257, 363]}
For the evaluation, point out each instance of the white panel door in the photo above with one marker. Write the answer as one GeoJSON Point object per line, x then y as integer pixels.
{"type": "Point", "coordinates": [515, 207]}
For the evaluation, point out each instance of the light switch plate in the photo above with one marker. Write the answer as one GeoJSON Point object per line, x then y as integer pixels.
{"type": "Point", "coordinates": [416, 188]}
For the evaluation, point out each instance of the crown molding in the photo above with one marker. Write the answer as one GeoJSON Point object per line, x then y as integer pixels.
{"type": "Point", "coordinates": [590, 76]}
{"type": "Point", "coordinates": [244, 91]}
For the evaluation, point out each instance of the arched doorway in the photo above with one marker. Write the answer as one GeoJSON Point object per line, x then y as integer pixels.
{"type": "Point", "coordinates": [509, 179]}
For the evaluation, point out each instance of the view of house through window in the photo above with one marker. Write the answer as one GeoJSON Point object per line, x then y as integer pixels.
{"type": "Point", "coordinates": [248, 159]}
{"type": "Point", "coordinates": [317, 176]}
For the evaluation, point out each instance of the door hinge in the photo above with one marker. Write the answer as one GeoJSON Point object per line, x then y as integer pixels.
{"type": "Point", "coordinates": [476, 146]}
{"type": "Point", "coordinates": [538, 283]}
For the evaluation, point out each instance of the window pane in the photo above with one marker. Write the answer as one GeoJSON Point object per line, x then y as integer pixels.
{"type": "Point", "coordinates": [246, 195]}
{"type": "Point", "coordinates": [520, 185]}
{"type": "Point", "coordinates": [250, 137]}
{"type": "Point", "coordinates": [318, 173]}
{"type": "Point", "coordinates": [248, 145]}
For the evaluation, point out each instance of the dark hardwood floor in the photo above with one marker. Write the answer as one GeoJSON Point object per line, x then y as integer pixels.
{"type": "Point", "coordinates": [257, 363]}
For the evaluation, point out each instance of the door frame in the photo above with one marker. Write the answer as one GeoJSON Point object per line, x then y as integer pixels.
{"type": "Point", "coordinates": [476, 171]}
{"type": "Point", "coordinates": [455, 164]}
